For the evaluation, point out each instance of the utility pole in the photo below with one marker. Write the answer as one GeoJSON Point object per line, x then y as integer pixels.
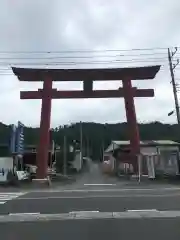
{"type": "Point", "coordinates": [172, 67]}
{"type": "Point", "coordinates": [65, 156]}
{"type": "Point", "coordinates": [104, 140]}
{"type": "Point", "coordinates": [52, 153]}
{"type": "Point", "coordinates": [102, 151]}
{"type": "Point", "coordinates": [88, 148]}
{"type": "Point", "coordinates": [81, 141]}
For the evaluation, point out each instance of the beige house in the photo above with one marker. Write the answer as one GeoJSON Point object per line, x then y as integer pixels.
{"type": "Point", "coordinates": [157, 157]}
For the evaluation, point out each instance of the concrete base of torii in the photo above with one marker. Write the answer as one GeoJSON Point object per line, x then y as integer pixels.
{"type": "Point", "coordinates": [46, 182]}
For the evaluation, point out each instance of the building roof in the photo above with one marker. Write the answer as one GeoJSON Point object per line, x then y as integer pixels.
{"type": "Point", "coordinates": [124, 142]}
{"type": "Point", "coordinates": [117, 144]}
{"type": "Point", "coordinates": [135, 73]}
{"type": "Point", "coordinates": [111, 147]}
{"type": "Point", "coordinates": [166, 142]}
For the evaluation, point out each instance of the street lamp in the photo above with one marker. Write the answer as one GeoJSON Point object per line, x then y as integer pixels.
{"type": "Point", "coordinates": [171, 113]}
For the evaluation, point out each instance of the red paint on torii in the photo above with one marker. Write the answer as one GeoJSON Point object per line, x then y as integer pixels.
{"type": "Point", "coordinates": [88, 75]}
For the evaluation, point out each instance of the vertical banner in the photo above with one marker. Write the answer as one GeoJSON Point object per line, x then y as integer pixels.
{"type": "Point", "coordinates": [20, 138]}
{"type": "Point", "coordinates": [13, 139]}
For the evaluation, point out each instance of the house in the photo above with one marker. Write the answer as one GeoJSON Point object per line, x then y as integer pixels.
{"type": "Point", "coordinates": [157, 157]}
{"type": "Point", "coordinates": [29, 155]}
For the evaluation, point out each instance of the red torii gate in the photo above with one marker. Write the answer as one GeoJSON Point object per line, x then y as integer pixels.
{"type": "Point", "coordinates": [87, 76]}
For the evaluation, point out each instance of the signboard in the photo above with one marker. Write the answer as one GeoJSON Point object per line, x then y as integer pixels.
{"type": "Point", "coordinates": [13, 139]}
{"type": "Point", "coordinates": [17, 139]}
{"type": "Point", "coordinates": [20, 138]}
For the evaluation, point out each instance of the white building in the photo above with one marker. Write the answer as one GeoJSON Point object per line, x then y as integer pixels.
{"type": "Point", "coordinates": [77, 163]}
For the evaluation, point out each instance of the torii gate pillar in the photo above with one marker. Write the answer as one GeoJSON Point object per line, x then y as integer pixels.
{"type": "Point", "coordinates": [131, 116]}
{"type": "Point", "coordinates": [44, 141]}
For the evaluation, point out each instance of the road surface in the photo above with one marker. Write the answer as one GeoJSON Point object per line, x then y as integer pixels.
{"type": "Point", "coordinates": [94, 207]}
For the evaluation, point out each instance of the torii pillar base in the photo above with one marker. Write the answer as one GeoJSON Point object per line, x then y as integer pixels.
{"type": "Point", "coordinates": [41, 183]}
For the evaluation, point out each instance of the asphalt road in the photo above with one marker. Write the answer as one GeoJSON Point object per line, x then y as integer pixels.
{"type": "Point", "coordinates": [106, 201]}
{"type": "Point", "coordinates": [33, 214]}
{"type": "Point", "coordinates": [93, 229]}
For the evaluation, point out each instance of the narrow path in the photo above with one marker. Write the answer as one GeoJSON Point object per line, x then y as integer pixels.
{"type": "Point", "coordinates": [94, 177]}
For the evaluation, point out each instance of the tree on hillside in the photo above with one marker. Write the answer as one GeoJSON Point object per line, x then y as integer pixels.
{"type": "Point", "coordinates": [97, 134]}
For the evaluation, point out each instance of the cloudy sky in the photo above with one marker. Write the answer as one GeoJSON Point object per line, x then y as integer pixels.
{"type": "Point", "coordinates": [51, 27]}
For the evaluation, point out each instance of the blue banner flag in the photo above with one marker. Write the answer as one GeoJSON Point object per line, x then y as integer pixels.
{"type": "Point", "coordinates": [20, 138]}
{"type": "Point", "coordinates": [13, 139]}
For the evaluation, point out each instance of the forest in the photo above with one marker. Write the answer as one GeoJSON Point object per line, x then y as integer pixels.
{"type": "Point", "coordinates": [95, 135]}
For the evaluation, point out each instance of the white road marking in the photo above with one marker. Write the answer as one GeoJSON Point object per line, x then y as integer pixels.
{"type": "Point", "coordinates": [143, 210]}
{"type": "Point", "coordinates": [106, 190]}
{"type": "Point", "coordinates": [99, 184]}
{"type": "Point", "coordinates": [13, 193]}
{"type": "Point", "coordinates": [85, 215]}
{"type": "Point", "coordinates": [7, 196]}
{"type": "Point", "coordinates": [121, 189]}
{"type": "Point", "coordinates": [76, 212]}
{"type": "Point", "coordinates": [101, 196]}
{"type": "Point", "coordinates": [22, 214]}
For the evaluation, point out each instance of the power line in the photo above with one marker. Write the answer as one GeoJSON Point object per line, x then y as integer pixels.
{"type": "Point", "coordinates": [127, 60]}
{"type": "Point", "coordinates": [87, 51]}
{"type": "Point", "coordinates": [86, 62]}
{"type": "Point", "coordinates": [91, 56]}
{"type": "Point", "coordinates": [43, 60]}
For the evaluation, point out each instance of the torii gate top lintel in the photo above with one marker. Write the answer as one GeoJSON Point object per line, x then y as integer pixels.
{"type": "Point", "coordinates": [99, 74]}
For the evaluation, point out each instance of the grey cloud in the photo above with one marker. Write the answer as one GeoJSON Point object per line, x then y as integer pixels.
{"type": "Point", "coordinates": [59, 25]}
